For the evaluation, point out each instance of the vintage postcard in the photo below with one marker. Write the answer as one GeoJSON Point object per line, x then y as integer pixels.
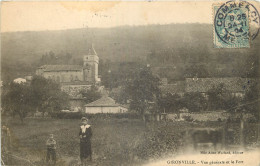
{"type": "Point", "coordinates": [121, 83]}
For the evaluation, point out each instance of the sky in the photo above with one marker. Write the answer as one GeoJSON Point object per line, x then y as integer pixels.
{"type": "Point", "coordinates": [39, 16]}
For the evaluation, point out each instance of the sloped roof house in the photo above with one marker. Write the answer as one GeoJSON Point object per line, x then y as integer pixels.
{"type": "Point", "coordinates": [104, 105]}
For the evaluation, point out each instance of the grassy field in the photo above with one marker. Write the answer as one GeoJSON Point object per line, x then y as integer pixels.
{"type": "Point", "coordinates": [114, 141]}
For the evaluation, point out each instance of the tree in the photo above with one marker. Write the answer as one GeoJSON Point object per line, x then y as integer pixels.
{"type": "Point", "coordinates": [251, 99]}
{"type": "Point", "coordinates": [194, 101]}
{"type": "Point", "coordinates": [119, 95]}
{"type": "Point", "coordinates": [47, 95]}
{"type": "Point", "coordinates": [16, 99]}
{"type": "Point", "coordinates": [218, 97]}
{"type": "Point", "coordinates": [91, 95]}
{"type": "Point", "coordinates": [143, 90]}
{"type": "Point", "coordinates": [170, 103]}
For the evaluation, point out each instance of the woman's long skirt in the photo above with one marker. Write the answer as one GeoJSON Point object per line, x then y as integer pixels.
{"type": "Point", "coordinates": [85, 149]}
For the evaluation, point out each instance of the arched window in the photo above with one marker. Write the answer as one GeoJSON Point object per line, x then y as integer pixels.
{"type": "Point", "coordinates": [71, 78]}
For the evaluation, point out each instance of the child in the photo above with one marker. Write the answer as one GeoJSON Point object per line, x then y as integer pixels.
{"type": "Point", "coordinates": [51, 149]}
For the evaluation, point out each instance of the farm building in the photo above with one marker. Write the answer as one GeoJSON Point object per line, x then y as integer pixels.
{"type": "Point", "coordinates": [104, 105]}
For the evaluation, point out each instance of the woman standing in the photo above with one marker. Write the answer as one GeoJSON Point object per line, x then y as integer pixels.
{"type": "Point", "coordinates": [85, 134]}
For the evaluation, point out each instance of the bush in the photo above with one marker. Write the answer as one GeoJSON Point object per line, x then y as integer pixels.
{"type": "Point", "coordinates": [252, 120]}
{"type": "Point", "coordinates": [67, 115]}
{"type": "Point", "coordinates": [194, 101]}
{"type": "Point", "coordinates": [79, 115]}
{"type": "Point", "coordinates": [188, 118]}
{"type": "Point", "coordinates": [160, 142]}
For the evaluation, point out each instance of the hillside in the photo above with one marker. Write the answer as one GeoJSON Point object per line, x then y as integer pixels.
{"type": "Point", "coordinates": [160, 45]}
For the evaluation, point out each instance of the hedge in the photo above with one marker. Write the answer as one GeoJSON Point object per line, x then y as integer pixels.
{"type": "Point", "coordinates": [79, 115]}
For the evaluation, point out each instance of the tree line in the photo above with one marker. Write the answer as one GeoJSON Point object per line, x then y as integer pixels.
{"type": "Point", "coordinates": [139, 87]}
{"type": "Point", "coordinates": [144, 95]}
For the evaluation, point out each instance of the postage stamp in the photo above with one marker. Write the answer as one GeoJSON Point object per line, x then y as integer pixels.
{"type": "Point", "coordinates": [235, 24]}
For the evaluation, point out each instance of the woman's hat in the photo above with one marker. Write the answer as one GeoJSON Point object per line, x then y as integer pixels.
{"type": "Point", "coordinates": [84, 118]}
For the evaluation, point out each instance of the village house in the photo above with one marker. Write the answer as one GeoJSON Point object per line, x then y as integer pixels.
{"type": "Point", "coordinates": [178, 87]}
{"type": "Point", "coordinates": [104, 105]}
{"type": "Point", "coordinates": [237, 86]}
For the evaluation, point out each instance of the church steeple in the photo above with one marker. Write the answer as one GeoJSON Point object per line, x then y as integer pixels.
{"type": "Point", "coordinates": [92, 51]}
{"type": "Point", "coordinates": [91, 61]}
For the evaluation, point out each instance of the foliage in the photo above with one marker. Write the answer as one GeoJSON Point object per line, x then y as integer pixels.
{"type": "Point", "coordinates": [41, 94]}
{"type": "Point", "coordinates": [161, 140]}
{"type": "Point", "coordinates": [143, 90]}
{"type": "Point", "coordinates": [219, 97]}
{"type": "Point", "coordinates": [170, 103]}
{"type": "Point", "coordinates": [194, 101]}
{"type": "Point", "coordinates": [16, 99]}
{"type": "Point", "coordinates": [251, 99]}
{"type": "Point", "coordinates": [188, 118]}
{"type": "Point", "coordinates": [116, 74]}
{"type": "Point", "coordinates": [119, 95]}
{"type": "Point", "coordinates": [163, 49]}
{"type": "Point", "coordinates": [50, 58]}
{"type": "Point", "coordinates": [79, 115]}
{"type": "Point", "coordinates": [91, 95]}
{"type": "Point", "coordinates": [47, 95]}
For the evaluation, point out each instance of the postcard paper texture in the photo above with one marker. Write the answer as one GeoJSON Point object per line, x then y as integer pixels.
{"type": "Point", "coordinates": [118, 83]}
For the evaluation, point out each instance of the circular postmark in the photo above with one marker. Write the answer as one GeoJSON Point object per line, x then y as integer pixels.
{"type": "Point", "coordinates": [236, 22]}
{"type": "Point", "coordinates": [254, 21]}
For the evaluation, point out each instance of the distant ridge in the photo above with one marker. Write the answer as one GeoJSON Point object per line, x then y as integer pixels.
{"type": "Point", "coordinates": [136, 41]}
{"type": "Point", "coordinates": [171, 47]}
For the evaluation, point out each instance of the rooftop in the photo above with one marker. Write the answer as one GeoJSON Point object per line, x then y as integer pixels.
{"type": "Point", "coordinates": [48, 68]}
{"type": "Point", "coordinates": [103, 102]}
{"type": "Point", "coordinates": [177, 87]}
{"type": "Point", "coordinates": [232, 84]}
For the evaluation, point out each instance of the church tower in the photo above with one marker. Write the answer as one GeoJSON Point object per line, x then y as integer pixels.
{"type": "Point", "coordinates": [91, 66]}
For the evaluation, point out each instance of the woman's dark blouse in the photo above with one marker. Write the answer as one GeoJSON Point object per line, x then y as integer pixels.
{"type": "Point", "coordinates": [87, 135]}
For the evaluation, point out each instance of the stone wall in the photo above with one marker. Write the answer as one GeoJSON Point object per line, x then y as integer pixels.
{"type": "Point", "coordinates": [205, 116]}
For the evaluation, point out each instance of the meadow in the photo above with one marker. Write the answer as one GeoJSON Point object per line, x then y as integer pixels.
{"type": "Point", "coordinates": [114, 142]}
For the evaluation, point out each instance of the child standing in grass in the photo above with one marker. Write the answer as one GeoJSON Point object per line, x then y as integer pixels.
{"type": "Point", "coordinates": [51, 149]}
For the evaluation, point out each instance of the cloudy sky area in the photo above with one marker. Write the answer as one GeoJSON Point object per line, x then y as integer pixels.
{"type": "Point", "coordinates": [37, 16]}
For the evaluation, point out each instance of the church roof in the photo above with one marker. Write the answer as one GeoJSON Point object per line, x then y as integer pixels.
{"type": "Point", "coordinates": [103, 102]}
{"type": "Point", "coordinates": [48, 68]}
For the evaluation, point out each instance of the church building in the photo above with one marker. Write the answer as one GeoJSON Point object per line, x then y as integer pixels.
{"type": "Point", "coordinates": [73, 74]}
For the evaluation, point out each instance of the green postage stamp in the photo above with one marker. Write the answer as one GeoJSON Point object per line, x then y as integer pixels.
{"type": "Point", "coordinates": [234, 24]}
